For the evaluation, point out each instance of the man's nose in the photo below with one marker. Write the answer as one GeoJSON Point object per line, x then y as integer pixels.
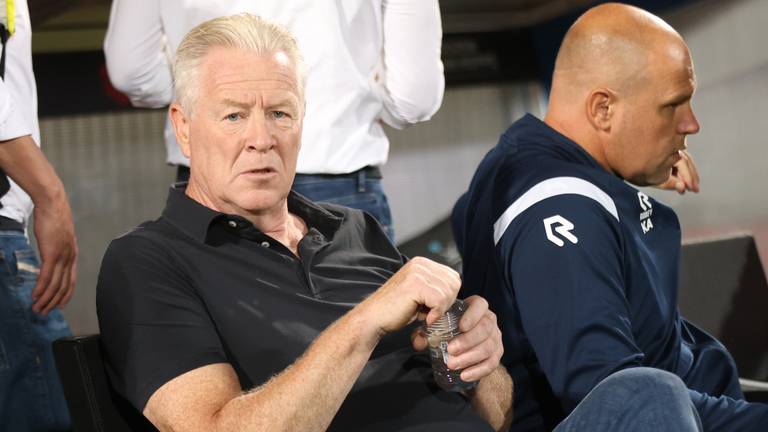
{"type": "Point", "coordinates": [259, 136]}
{"type": "Point", "coordinates": [690, 124]}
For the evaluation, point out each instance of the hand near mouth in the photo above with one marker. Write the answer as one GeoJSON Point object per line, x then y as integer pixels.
{"type": "Point", "coordinates": [685, 175]}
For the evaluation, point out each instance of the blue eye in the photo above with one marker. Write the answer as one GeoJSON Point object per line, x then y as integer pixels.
{"type": "Point", "coordinates": [233, 117]}
{"type": "Point", "coordinates": [279, 114]}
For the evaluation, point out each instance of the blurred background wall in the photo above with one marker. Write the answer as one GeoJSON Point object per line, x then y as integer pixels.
{"type": "Point", "coordinates": [498, 57]}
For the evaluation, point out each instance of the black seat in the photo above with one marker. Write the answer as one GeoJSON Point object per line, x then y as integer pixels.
{"type": "Point", "coordinates": [723, 290]}
{"type": "Point", "coordinates": [93, 405]}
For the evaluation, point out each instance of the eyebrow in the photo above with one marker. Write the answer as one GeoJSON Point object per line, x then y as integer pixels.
{"type": "Point", "coordinates": [285, 102]}
{"type": "Point", "coordinates": [238, 104]}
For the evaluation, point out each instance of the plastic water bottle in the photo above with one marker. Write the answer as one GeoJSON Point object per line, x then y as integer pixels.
{"type": "Point", "coordinates": [438, 335]}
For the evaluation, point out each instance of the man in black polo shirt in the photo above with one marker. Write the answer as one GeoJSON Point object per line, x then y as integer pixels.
{"type": "Point", "coordinates": [243, 284]}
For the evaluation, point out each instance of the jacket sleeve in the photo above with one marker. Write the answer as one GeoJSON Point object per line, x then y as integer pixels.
{"type": "Point", "coordinates": [135, 50]}
{"type": "Point", "coordinates": [568, 283]}
{"type": "Point", "coordinates": [562, 259]}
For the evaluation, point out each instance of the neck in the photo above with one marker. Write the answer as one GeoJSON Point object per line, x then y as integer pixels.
{"type": "Point", "coordinates": [287, 228]}
{"type": "Point", "coordinates": [573, 130]}
{"type": "Point", "coordinates": [276, 222]}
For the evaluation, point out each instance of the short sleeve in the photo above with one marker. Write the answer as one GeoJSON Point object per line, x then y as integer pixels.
{"type": "Point", "coordinates": [154, 326]}
{"type": "Point", "coordinates": [12, 122]}
{"type": "Point", "coordinates": [562, 259]}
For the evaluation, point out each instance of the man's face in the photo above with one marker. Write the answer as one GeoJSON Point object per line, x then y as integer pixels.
{"type": "Point", "coordinates": [244, 134]}
{"type": "Point", "coordinates": [655, 119]}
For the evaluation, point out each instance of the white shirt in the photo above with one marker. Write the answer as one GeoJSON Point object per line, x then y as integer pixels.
{"type": "Point", "coordinates": [368, 61]}
{"type": "Point", "coordinates": [18, 105]}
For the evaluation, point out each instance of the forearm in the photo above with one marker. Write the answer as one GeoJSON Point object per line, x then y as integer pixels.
{"type": "Point", "coordinates": [305, 396]}
{"type": "Point", "coordinates": [23, 161]}
{"type": "Point", "coordinates": [414, 80]}
{"type": "Point", "coordinates": [492, 399]}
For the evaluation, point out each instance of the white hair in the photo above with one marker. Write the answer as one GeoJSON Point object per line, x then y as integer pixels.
{"type": "Point", "coordinates": [245, 31]}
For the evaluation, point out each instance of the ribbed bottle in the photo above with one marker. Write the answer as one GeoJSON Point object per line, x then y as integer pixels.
{"type": "Point", "coordinates": [438, 335]}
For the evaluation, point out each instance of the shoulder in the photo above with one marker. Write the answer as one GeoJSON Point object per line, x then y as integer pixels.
{"type": "Point", "coordinates": [147, 252]}
{"type": "Point", "coordinates": [562, 204]}
{"type": "Point", "coordinates": [147, 236]}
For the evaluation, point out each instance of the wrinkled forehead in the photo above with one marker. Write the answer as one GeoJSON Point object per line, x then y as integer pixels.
{"type": "Point", "coordinates": [240, 69]}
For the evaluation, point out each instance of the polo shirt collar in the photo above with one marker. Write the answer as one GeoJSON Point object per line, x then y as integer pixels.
{"type": "Point", "coordinates": [195, 219]}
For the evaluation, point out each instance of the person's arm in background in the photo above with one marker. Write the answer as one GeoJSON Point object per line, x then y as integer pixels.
{"type": "Point", "coordinates": [22, 161]}
{"type": "Point", "coordinates": [413, 72]}
{"type": "Point", "coordinates": [135, 51]}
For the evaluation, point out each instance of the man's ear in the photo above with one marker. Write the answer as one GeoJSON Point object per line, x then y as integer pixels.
{"type": "Point", "coordinates": [180, 122]}
{"type": "Point", "coordinates": [601, 109]}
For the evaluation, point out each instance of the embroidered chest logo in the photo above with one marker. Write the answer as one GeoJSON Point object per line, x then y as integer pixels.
{"type": "Point", "coordinates": [561, 226]}
{"type": "Point", "coordinates": [645, 215]}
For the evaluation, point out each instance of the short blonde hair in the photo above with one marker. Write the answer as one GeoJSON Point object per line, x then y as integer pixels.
{"type": "Point", "coordinates": [245, 31]}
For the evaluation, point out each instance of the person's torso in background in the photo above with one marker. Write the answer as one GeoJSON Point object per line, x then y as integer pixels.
{"type": "Point", "coordinates": [20, 81]}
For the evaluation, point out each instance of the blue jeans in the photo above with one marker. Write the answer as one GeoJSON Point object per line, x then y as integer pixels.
{"type": "Point", "coordinates": [635, 400]}
{"type": "Point", "coordinates": [354, 190]}
{"type": "Point", "coordinates": [31, 398]}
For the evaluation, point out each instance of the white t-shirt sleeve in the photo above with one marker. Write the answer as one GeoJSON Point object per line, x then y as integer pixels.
{"type": "Point", "coordinates": [12, 122]}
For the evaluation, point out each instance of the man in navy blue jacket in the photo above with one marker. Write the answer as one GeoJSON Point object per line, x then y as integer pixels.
{"type": "Point", "coordinates": [580, 267]}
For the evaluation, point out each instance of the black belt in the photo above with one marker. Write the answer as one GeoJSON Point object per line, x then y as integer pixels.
{"type": "Point", "coordinates": [370, 172]}
{"type": "Point", "coordinates": [8, 224]}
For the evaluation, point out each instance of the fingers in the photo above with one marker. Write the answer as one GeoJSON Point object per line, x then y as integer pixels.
{"type": "Point", "coordinates": [480, 370]}
{"type": "Point", "coordinates": [440, 285]}
{"type": "Point", "coordinates": [419, 340]}
{"type": "Point", "coordinates": [476, 309]}
{"type": "Point", "coordinates": [420, 289]}
{"type": "Point", "coordinates": [43, 280]}
{"type": "Point", "coordinates": [51, 290]}
{"type": "Point", "coordinates": [72, 280]}
{"type": "Point", "coordinates": [55, 285]}
{"type": "Point", "coordinates": [685, 175]}
{"type": "Point", "coordinates": [464, 347]}
{"type": "Point", "coordinates": [695, 180]}
{"type": "Point", "coordinates": [60, 292]}
{"type": "Point", "coordinates": [478, 349]}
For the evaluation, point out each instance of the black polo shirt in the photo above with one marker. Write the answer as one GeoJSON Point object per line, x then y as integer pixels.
{"type": "Point", "coordinates": [197, 287]}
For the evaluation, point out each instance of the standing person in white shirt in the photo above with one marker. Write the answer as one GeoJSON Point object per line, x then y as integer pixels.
{"type": "Point", "coordinates": [31, 398]}
{"type": "Point", "coordinates": [370, 62]}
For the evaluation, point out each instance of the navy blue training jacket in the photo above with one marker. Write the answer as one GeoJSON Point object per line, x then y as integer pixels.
{"type": "Point", "coordinates": [582, 270]}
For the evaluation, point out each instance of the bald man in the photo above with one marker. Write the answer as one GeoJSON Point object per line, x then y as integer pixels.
{"type": "Point", "coordinates": [581, 267]}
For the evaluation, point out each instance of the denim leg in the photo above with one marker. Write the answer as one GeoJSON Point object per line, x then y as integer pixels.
{"type": "Point", "coordinates": [31, 398]}
{"type": "Point", "coordinates": [635, 400]}
{"type": "Point", "coordinates": [359, 192]}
